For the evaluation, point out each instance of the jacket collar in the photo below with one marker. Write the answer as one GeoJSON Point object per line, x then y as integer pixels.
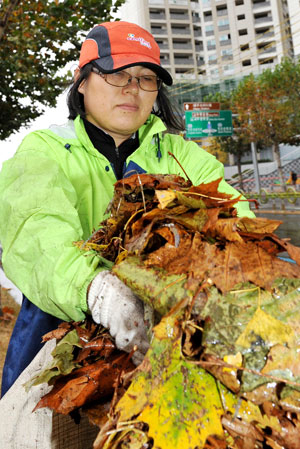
{"type": "Point", "coordinates": [153, 125]}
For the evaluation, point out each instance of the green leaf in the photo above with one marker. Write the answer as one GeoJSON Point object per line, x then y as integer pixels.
{"type": "Point", "coordinates": [155, 287]}
{"type": "Point", "coordinates": [61, 363]}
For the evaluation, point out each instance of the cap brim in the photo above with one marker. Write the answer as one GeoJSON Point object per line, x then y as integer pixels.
{"type": "Point", "coordinates": [124, 61]}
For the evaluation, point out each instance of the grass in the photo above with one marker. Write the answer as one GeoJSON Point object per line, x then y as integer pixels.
{"type": "Point", "coordinates": [6, 326]}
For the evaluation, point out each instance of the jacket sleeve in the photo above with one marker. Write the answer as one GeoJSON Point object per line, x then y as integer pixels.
{"type": "Point", "coordinates": [39, 223]}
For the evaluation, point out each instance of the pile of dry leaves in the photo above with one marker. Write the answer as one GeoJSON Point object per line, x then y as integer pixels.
{"type": "Point", "coordinates": [223, 368]}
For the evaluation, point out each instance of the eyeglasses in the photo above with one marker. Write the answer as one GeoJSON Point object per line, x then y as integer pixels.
{"type": "Point", "coordinates": [150, 83]}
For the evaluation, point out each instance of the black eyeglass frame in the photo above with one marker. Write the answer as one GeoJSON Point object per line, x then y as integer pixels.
{"type": "Point", "coordinates": [104, 76]}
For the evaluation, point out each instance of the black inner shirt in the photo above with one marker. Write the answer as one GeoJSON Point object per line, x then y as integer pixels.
{"type": "Point", "coordinates": [105, 144]}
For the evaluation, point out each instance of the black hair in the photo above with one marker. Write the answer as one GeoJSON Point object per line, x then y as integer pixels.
{"type": "Point", "coordinates": [75, 99]}
{"type": "Point", "coordinates": [163, 107]}
{"type": "Point", "coordinates": [168, 111]}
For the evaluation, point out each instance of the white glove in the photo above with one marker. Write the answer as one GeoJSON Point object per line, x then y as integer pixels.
{"type": "Point", "coordinates": [113, 305]}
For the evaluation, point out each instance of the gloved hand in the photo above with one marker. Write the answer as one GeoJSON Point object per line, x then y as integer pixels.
{"type": "Point", "coordinates": [113, 305]}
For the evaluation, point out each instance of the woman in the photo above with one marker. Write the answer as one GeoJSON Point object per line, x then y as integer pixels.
{"type": "Point", "coordinates": [56, 188]}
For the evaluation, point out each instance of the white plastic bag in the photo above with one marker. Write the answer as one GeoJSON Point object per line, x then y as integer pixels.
{"type": "Point", "coordinates": [43, 429]}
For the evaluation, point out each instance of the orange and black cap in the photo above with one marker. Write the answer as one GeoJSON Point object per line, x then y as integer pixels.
{"type": "Point", "coordinates": [114, 46]}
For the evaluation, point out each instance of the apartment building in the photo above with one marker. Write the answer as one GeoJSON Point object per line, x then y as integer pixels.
{"type": "Point", "coordinates": [215, 39]}
{"type": "Point", "coordinates": [294, 11]}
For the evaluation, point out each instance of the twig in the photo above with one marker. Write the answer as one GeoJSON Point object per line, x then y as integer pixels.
{"type": "Point", "coordinates": [174, 157]}
{"type": "Point", "coordinates": [131, 218]}
{"type": "Point", "coordinates": [170, 285]}
{"type": "Point", "coordinates": [250, 290]}
{"type": "Point", "coordinates": [221, 200]}
{"type": "Point", "coordinates": [192, 324]}
{"type": "Point", "coordinates": [142, 191]}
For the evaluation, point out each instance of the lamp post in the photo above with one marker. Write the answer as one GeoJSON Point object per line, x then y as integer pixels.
{"type": "Point", "coordinates": [255, 164]}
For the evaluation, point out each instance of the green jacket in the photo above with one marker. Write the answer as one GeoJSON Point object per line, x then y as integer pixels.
{"type": "Point", "coordinates": [55, 191]}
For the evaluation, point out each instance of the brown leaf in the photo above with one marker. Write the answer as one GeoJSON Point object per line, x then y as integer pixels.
{"type": "Point", "coordinates": [246, 262]}
{"type": "Point", "coordinates": [210, 194]}
{"type": "Point", "coordinates": [258, 225]}
{"type": "Point", "coordinates": [92, 382]}
{"type": "Point", "coordinates": [245, 434]}
{"type": "Point", "coordinates": [174, 259]}
{"type": "Point", "coordinates": [58, 333]}
{"type": "Point", "coordinates": [289, 437]}
{"type": "Point", "coordinates": [214, 442]}
{"type": "Point", "coordinates": [102, 346]}
{"type": "Point", "coordinates": [228, 376]}
{"type": "Point", "coordinates": [225, 228]}
{"type": "Point", "coordinates": [97, 412]}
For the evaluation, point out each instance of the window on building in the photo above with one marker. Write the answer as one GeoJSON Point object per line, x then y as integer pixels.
{"type": "Point", "coordinates": [227, 52]}
{"type": "Point", "coordinates": [214, 73]}
{"type": "Point", "coordinates": [223, 22]}
{"type": "Point", "coordinates": [239, 2]}
{"type": "Point", "coordinates": [222, 8]}
{"type": "Point", "coordinates": [158, 29]}
{"type": "Point", "coordinates": [246, 62]}
{"type": "Point", "coordinates": [178, 14]}
{"type": "Point", "coordinates": [264, 31]}
{"type": "Point", "coordinates": [182, 44]}
{"type": "Point", "coordinates": [243, 32]}
{"type": "Point", "coordinates": [163, 43]}
{"type": "Point", "coordinates": [241, 17]}
{"type": "Point", "coordinates": [263, 17]}
{"type": "Point", "coordinates": [266, 61]}
{"type": "Point", "coordinates": [211, 43]}
{"type": "Point", "coordinates": [156, 13]}
{"type": "Point", "coordinates": [207, 16]}
{"type": "Point", "coordinates": [228, 68]}
{"type": "Point", "coordinates": [267, 48]}
{"type": "Point", "coordinates": [177, 29]}
{"type": "Point", "coordinates": [244, 47]}
{"type": "Point", "coordinates": [225, 37]}
{"type": "Point", "coordinates": [212, 57]}
{"type": "Point", "coordinates": [209, 28]}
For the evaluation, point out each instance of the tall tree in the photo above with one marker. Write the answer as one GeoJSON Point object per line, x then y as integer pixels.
{"type": "Point", "coordinates": [267, 114]}
{"type": "Point", "coordinates": [238, 146]}
{"type": "Point", "coordinates": [37, 39]}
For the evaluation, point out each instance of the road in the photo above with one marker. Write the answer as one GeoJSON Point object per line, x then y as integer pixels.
{"type": "Point", "coordinates": [288, 213]}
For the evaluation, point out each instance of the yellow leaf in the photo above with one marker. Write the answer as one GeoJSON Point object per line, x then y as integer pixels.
{"type": "Point", "coordinates": [250, 412]}
{"type": "Point", "coordinates": [178, 400]}
{"type": "Point", "coordinates": [165, 197]}
{"type": "Point", "coordinates": [235, 360]}
{"type": "Point", "coordinates": [268, 328]}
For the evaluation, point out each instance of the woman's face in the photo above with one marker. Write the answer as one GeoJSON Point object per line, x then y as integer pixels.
{"type": "Point", "coordinates": [119, 111]}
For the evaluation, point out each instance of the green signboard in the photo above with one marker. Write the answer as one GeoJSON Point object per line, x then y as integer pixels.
{"type": "Point", "coordinates": [208, 123]}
